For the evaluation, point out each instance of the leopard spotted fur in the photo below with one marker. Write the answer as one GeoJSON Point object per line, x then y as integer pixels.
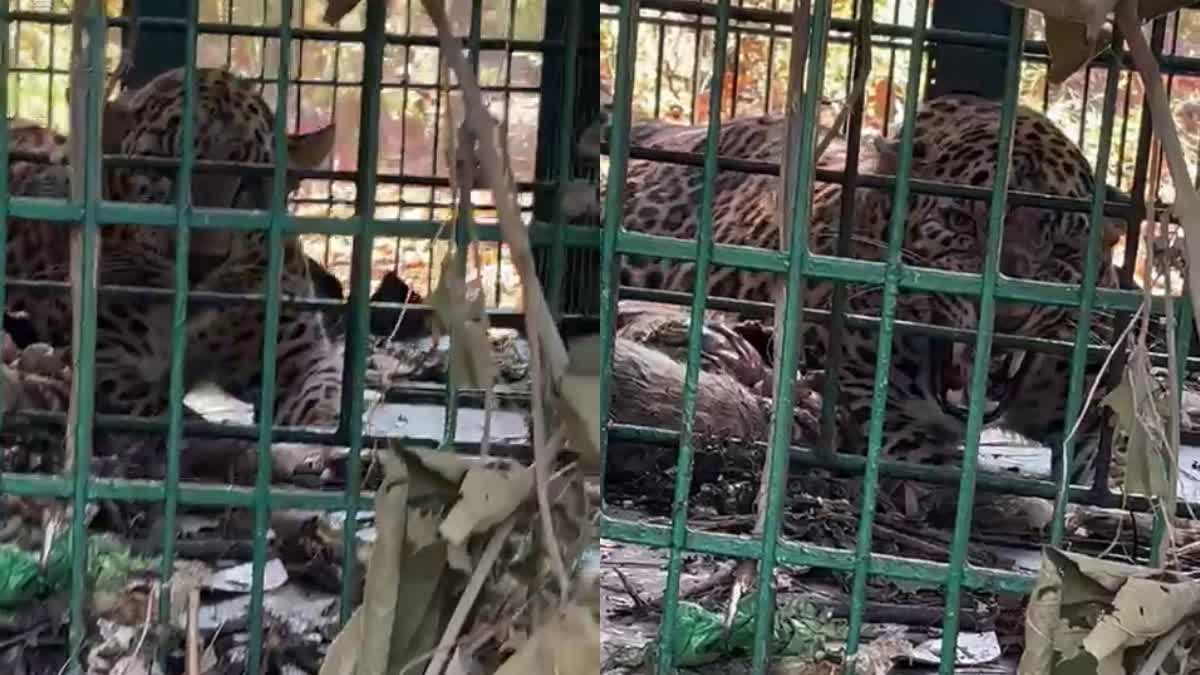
{"type": "Point", "coordinates": [956, 141]}
{"type": "Point", "coordinates": [224, 342]}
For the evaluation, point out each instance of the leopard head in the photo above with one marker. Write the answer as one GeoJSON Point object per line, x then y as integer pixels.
{"type": "Point", "coordinates": [957, 141]}
{"type": "Point", "coordinates": [232, 124]}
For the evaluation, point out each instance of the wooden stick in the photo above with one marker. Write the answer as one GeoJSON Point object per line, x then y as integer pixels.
{"type": "Point", "coordinates": [193, 632]}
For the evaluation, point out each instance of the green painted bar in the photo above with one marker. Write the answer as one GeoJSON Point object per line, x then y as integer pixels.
{"type": "Point", "coordinates": [462, 242]}
{"type": "Point", "coordinates": [5, 197]}
{"type": "Point", "coordinates": [84, 330]}
{"type": "Point", "coordinates": [800, 156]}
{"type": "Point", "coordinates": [992, 482]}
{"type": "Point", "coordinates": [861, 271]}
{"type": "Point", "coordinates": [618, 162]}
{"type": "Point", "coordinates": [562, 168]}
{"type": "Point", "coordinates": [175, 388]}
{"type": "Point", "coordinates": [665, 663]}
{"type": "Point", "coordinates": [879, 401]}
{"type": "Point", "coordinates": [1183, 342]}
{"type": "Point", "coordinates": [192, 494]}
{"type": "Point", "coordinates": [1086, 302]}
{"type": "Point", "coordinates": [266, 403]}
{"type": "Point", "coordinates": [358, 327]}
{"type": "Point", "coordinates": [860, 60]}
{"type": "Point", "coordinates": [997, 212]}
{"type": "Point", "coordinates": [807, 555]}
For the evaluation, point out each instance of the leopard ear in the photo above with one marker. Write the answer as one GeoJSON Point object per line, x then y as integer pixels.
{"type": "Point", "coordinates": [884, 158]}
{"type": "Point", "coordinates": [310, 150]}
{"type": "Point", "coordinates": [115, 122]}
{"type": "Point", "coordinates": [1114, 226]}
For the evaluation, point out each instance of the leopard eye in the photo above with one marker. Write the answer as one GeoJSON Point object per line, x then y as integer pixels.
{"type": "Point", "coordinates": [959, 220]}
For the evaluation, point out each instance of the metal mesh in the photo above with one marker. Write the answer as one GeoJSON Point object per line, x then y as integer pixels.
{"type": "Point", "coordinates": [375, 209]}
{"type": "Point", "coordinates": [660, 56]}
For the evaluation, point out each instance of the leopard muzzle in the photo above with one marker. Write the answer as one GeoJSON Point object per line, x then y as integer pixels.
{"type": "Point", "coordinates": [951, 374]}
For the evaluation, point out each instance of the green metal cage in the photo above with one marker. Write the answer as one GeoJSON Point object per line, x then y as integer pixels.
{"type": "Point", "coordinates": [906, 36]}
{"type": "Point", "coordinates": [374, 68]}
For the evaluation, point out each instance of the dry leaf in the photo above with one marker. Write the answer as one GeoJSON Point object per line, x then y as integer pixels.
{"type": "Point", "coordinates": [1076, 30]}
{"type": "Point", "coordinates": [447, 465]}
{"type": "Point", "coordinates": [1088, 13]}
{"type": "Point", "coordinates": [1085, 613]}
{"type": "Point", "coordinates": [579, 398]}
{"type": "Point", "coordinates": [488, 495]}
{"type": "Point", "coordinates": [879, 657]}
{"type": "Point", "coordinates": [186, 576]}
{"type": "Point", "coordinates": [380, 592]}
{"type": "Point", "coordinates": [403, 589]}
{"type": "Point", "coordinates": [474, 366]}
{"type": "Point", "coordinates": [1140, 413]}
{"type": "Point", "coordinates": [569, 644]}
{"type": "Point", "coordinates": [1070, 48]}
{"type": "Point", "coordinates": [336, 10]}
{"type": "Point", "coordinates": [343, 651]}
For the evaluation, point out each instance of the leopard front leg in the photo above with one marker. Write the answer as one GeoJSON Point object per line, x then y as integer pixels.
{"type": "Point", "coordinates": [307, 385]}
{"type": "Point", "coordinates": [228, 343]}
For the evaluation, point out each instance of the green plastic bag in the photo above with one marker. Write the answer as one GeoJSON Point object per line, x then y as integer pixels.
{"type": "Point", "coordinates": [801, 630]}
{"type": "Point", "coordinates": [21, 577]}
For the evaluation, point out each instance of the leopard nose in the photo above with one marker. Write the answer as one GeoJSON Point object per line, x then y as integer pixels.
{"type": "Point", "coordinates": [1015, 264]}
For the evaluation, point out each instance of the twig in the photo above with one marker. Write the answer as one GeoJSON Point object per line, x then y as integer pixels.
{"type": "Point", "coordinates": [1171, 450]}
{"type": "Point", "coordinates": [638, 602]}
{"type": "Point", "coordinates": [703, 586]}
{"type": "Point", "coordinates": [548, 354]}
{"type": "Point", "coordinates": [1163, 647]}
{"type": "Point", "coordinates": [193, 632]}
{"type": "Point", "coordinates": [151, 600]}
{"type": "Point", "coordinates": [466, 602]}
{"type": "Point", "coordinates": [860, 84]}
{"type": "Point", "coordinates": [499, 180]}
{"type": "Point", "coordinates": [800, 24]}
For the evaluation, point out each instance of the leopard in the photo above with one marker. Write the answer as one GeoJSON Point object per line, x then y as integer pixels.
{"type": "Point", "coordinates": [224, 343]}
{"type": "Point", "coordinates": [955, 141]}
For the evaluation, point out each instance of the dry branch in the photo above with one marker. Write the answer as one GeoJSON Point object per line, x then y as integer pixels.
{"type": "Point", "coordinates": [548, 354]}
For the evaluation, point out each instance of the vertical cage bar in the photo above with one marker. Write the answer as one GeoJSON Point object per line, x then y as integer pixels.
{"type": "Point", "coordinates": [1087, 300]}
{"type": "Point", "coordinates": [704, 248]}
{"type": "Point", "coordinates": [1141, 167]}
{"type": "Point", "coordinates": [358, 326]}
{"type": "Point", "coordinates": [879, 401]}
{"type": "Point", "coordinates": [1183, 342]}
{"type": "Point", "coordinates": [837, 321]}
{"type": "Point", "coordinates": [562, 167]}
{"type": "Point", "coordinates": [175, 384]}
{"type": "Point", "coordinates": [618, 165]}
{"type": "Point", "coordinates": [462, 231]}
{"type": "Point", "coordinates": [266, 403]}
{"type": "Point", "coordinates": [5, 197]}
{"type": "Point", "coordinates": [87, 79]}
{"type": "Point", "coordinates": [799, 196]}
{"type": "Point", "coordinates": [997, 210]}
{"type": "Point", "coordinates": [156, 49]}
